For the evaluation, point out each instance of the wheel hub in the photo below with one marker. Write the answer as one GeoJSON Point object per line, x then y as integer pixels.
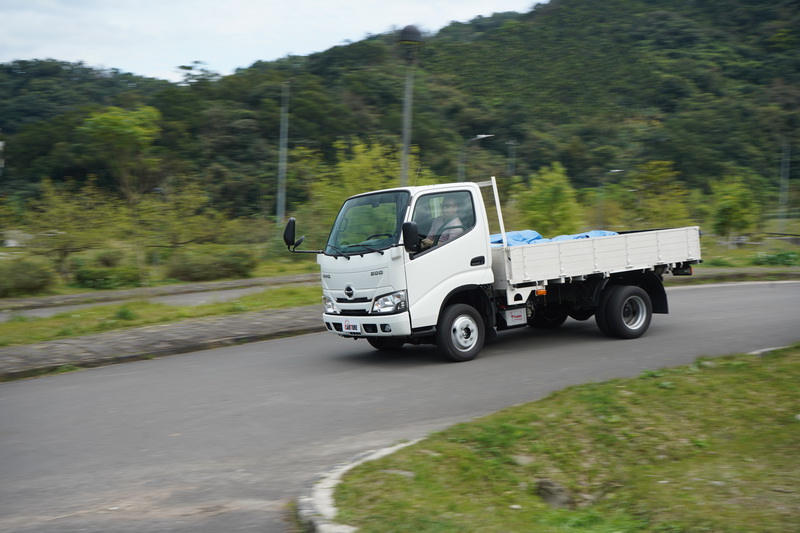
{"type": "Point", "coordinates": [463, 333]}
{"type": "Point", "coordinates": [633, 312]}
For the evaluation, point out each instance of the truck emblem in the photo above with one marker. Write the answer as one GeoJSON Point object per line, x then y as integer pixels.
{"type": "Point", "coordinates": [349, 292]}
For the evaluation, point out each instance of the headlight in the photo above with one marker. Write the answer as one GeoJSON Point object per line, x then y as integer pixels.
{"type": "Point", "coordinates": [390, 303]}
{"type": "Point", "coordinates": [330, 307]}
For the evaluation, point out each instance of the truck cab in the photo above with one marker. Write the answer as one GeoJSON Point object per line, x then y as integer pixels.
{"type": "Point", "coordinates": [378, 286]}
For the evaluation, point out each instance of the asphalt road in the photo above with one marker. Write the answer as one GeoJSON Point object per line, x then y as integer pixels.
{"type": "Point", "coordinates": [221, 440]}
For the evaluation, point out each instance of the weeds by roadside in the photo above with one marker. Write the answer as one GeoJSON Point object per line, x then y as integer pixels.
{"type": "Point", "coordinates": [25, 330]}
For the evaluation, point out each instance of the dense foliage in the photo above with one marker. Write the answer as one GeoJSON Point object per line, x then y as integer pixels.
{"type": "Point", "coordinates": [688, 99]}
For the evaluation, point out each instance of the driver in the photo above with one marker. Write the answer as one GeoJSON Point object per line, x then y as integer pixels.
{"type": "Point", "coordinates": [446, 221]}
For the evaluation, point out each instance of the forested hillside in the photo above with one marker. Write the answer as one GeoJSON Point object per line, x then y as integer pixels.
{"type": "Point", "coordinates": [688, 99]}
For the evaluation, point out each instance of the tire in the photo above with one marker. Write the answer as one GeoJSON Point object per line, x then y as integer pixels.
{"type": "Point", "coordinates": [548, 317]}
{"type": "Point", "coordinates": [626, 312]}
{"type": "Point", "coordinates": [600, 313]}
{"type": "Point", "coordinates": [388, 344]}
{"type": "Point", "coordinates": [581, 314]}
{"type": "Point", "coordinates": [460, 333]}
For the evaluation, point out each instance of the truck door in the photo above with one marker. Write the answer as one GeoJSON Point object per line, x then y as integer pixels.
{"type": "Point", "coordinates": [455, 252]}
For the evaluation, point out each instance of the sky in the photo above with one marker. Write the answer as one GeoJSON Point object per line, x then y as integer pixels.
{"type": "Point", "coordinates": [153, 37]}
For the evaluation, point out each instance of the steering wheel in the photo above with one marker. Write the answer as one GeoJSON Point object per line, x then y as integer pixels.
{"type": "Point", "coordinates": [389, 235]}
{"type": "Point", "coordinates": [439, 235]}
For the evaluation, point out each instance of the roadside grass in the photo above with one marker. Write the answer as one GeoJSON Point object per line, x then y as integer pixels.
{"type": "Point", "coordinates": [97, 319]}
{"type": "Point", "coordinates": [712, 446]}
{"type": "Point", "coordinates": [156, 275]}
{"type": "Point", "coordinates": [718, 254]}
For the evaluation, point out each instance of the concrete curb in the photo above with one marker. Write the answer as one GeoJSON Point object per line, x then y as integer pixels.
{"type": "Point", "coordinates": [188, 347]}
{"type": "Point", "coordinates": [148, 342]}
{"type": "Point", "coordinates": [316, 509]}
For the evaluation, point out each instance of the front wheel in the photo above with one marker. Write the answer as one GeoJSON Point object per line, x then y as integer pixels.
{"type": "Point", "coordinates": [625, 312]}
{"type": "Point", "coordinates": [460, 333]}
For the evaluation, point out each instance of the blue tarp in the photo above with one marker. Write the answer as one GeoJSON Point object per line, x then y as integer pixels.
{"type": "Point", "coordinates": [515, 238]}
{"type": "Point", "coordinates": [528, 236]}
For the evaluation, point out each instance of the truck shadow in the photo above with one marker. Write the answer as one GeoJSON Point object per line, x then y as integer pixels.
{"type": "Point", "coordinates": [503, 344]}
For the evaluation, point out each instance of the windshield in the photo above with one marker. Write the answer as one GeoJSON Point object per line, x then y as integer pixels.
{"type": "Point", "coordinates": [368, 223]}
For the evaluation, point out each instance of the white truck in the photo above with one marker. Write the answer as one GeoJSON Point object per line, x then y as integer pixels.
{"type": "Point", "coordinates": [388, 279]}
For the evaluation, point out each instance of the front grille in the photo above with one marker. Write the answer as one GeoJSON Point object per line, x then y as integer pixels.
{"type": "Point", "coordinates": [353, 301]}
{"type": "Point", "coordinates": [354, 312]}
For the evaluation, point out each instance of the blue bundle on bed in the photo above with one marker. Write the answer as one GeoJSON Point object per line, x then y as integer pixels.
{"type": "Point", "coordinates": [528, 236]}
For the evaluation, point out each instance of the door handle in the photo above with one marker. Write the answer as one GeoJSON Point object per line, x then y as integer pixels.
{"type": "Point", "coordinates": [477, 261]}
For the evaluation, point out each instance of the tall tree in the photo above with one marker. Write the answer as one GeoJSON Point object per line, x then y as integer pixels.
{"type": "Point", "coordinates": [548, 204]}
{"type": "Point", "coordinates": [123, 138]}
{"type": "Point", "coordinates": [360, 167]}
{"type": "Point", "coordinates": [660, 199]}
{"type": "Point", "coordinates": [734, 208]}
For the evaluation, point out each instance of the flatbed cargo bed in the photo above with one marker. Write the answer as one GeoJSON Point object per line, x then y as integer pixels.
{"type": "Point", "coordinates": [557, 262]}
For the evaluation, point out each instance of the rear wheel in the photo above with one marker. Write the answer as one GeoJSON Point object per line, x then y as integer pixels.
{"type": "Point", "coordinates": [548, 317]}
{"type": "Point", "coordinates": [460, 333]}
{"type": "Point", "coordinates": [625, 312]}
{"type": "Point", "coordinates": [386, 343]}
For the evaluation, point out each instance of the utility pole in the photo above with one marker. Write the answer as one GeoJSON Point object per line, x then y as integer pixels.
{"type": "Point", "coordinates": [2, 161]}
{"type": "Point", "coordinates": [784, 195]}
{"type": "Point", "coordinates": [410, 38]}
{"type": "Point", "coordinates": [282, 156]}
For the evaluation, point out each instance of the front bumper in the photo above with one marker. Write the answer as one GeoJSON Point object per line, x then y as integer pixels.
{"type": "Point", "coordinates": [397, 325]}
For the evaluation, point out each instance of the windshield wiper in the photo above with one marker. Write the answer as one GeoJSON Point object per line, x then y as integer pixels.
{"type": "Point", "coordinates": [341, 253]}
{"type": "Point", "coordinates": [369, 248]}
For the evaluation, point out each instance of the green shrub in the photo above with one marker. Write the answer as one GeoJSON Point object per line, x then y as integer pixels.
{"type": "Point", "coordinates": [24, 276]}
{"type": "Point", "coordinates": [158, 256]}
{"type": "Point", "coordinates": [125, 313]}
{"type": "Point", "coordinates": [204, 267]}
{"type": "Point", "coordinates": [76, 262]}
{"type": "Point", "coordinates": [109, 258]}
{"type": "Point", "coordinates": [718, 262]}
{"type": "Point", "coordinates": [108, 278]}
{"type": "Point", "coordinates": [777, 259]}
{"type": "Point", "coordinates": [237, 263]}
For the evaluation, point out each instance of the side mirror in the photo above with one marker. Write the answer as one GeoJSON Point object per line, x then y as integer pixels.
{"type": "Point", "coordinates": [288, 235]}
{"type": "Point", "coordinates": [411, 237]}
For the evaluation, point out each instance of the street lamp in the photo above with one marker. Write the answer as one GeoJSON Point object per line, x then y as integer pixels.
{"type": "Point", "coordinates": [410, 38]}
{"type": "Point", "coordinates": [463, 158]}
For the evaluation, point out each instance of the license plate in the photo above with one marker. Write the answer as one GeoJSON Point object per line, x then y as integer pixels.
{"type": "Point", "coordinates": [351, 327]}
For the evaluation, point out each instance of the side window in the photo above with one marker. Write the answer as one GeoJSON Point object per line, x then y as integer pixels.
{"type": "Point", "coordinates": [443, 217]}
